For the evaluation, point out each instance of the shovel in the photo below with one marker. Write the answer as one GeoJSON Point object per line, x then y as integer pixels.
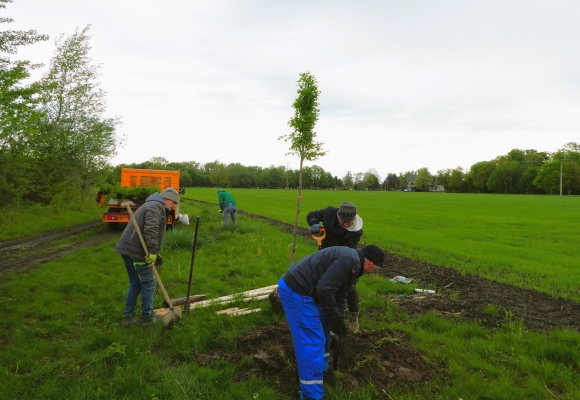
{"type": "Point", "coordinates": [174, 315]}
{"type": "Point", "coordinates": [336, 343]}
{"type": "Point", "coordinates": [320, 237]}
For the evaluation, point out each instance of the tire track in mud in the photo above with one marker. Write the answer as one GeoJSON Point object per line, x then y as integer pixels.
{"type": "Point", "coordinates": [464, 296]}
{"type": "Point", "coordinates": [22, 254]}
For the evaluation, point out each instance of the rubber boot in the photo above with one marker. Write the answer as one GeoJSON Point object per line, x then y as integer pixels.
{"type": "Point", "coordinates": [147, 320]}
{"type": "Point", "coordinates": [306, 398]}
{"type": "Point", "coordinates": [127, 319]}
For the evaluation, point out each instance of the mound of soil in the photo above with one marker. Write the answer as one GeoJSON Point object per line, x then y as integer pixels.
{"type": "Point", "coordinates": [381, 357]}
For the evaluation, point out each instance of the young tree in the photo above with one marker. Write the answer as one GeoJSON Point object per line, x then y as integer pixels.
{"type": "Point", "coordinates": [302, 138]}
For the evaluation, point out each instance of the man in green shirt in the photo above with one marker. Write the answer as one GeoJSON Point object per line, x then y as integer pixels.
{"type": "Point", "coordinates": [227, 206]}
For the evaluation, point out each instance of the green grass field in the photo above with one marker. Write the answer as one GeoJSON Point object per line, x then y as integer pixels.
{"type": "Point", "coordinates": [60, 335]}
{"type": "Point", "coordinates": [532, 242]}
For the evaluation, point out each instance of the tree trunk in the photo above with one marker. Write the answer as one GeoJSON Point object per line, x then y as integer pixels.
{"type": "Point", "coordinates": [293, 250]}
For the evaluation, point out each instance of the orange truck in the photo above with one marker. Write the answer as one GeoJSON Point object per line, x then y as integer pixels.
{"type": "Point", "coordinates": [131, 177]}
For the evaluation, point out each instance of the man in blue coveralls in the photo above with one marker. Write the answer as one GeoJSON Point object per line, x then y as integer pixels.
{"type": "Point", "coordinates": [311, 290]}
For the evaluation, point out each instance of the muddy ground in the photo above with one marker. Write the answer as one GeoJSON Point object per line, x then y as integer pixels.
{"type": "Point", "coordinates": [22, 254]}
{"type": "Point", "coordinates": [386, 358]}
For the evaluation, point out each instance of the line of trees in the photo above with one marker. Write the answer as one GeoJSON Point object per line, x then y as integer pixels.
{"type": "Point", "coordinates": [517, 172]}
{"type": "Point", "coordinates": [54, 138]}
{"type": "Point", "coordinates": [236, 175]}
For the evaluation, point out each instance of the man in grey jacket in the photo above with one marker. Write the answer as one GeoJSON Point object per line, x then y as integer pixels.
{"type": "Point", "coordinates": [151, 218]}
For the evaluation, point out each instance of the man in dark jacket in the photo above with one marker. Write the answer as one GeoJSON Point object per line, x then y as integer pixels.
{"type": "Point", "coordinates": [227, 206]}
{"type": "Point", "coordinates": [151, 218]}
{"type": "Point", "coordinates": [310, 291]}
{"type": "Point", "coordinates": [343, 227]}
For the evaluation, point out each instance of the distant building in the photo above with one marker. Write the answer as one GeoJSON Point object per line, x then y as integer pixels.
{"type": "Point", "coordinates": [436, 188]}
{"type": "Point", "coordinates": [411, 183]}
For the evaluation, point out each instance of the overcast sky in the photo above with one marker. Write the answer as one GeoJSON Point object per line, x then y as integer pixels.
{"type": "Point", "coordinates": [405, 84]}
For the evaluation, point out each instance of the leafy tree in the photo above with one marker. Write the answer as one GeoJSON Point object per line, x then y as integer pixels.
{"type": "Point", "coordinates": [240, 176]}
{"type": "Point", "coordinates": [217, 173]}
{"type": "Point", "coordinates": [348, 180]}
{"type": "Point", "coordinates": [442, 178]}
{"type": "Point", "coordinates": [526, 182]}
{"type": "Point", "coordinates": [73, 127]}
{"type": "Point", "coordinates": [456, 179]}
{"type": "Point", "coordinates": [302, 137]}
{"type": "Point", "coordinates": [359, 181]}
{"type": "Point", "coordinates": [371, 179]}
{"type": "Point", "coordinates": [479, 174]}
{"type": "Point", "coordinates": [572, 151]}
{"type": "Point", "coordinates": [404, 179]}
{"type": "Point", "coordinates": [392, 182]}
{"type": "Point", "coordinates": [157, 163]}
{"type": "Point", "coordinates": [18, 113]}
{"type": "Point", "coordinates": [424, 179]}
{"type": "Point", "coordinates": [184, 179]}
{"type": "Point", "coordinates": [317, 173]}
{"type": "Point", "coordinates": [573, 172]}
{"type": "Point", "coordinates": [548, 178]}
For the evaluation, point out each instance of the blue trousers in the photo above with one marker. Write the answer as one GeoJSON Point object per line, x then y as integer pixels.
{"type": "Point", "coordinates": [141, 281]}
{"type": "Point", "coordinates": [230, 210]}
{"type": "Point", "coordinates": [311, 336]}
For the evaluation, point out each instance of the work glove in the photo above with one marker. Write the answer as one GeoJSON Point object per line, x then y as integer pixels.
{"type": "Point", "coordinates": [158, 261]}
{"type": "Point", "coordinates": [151, 258]}
{"type": "Point", "coordinates": [338, 326]}
{"type": "Point", "coordinates": [315, 228]}
{"type": "Point", "coordinates": [353, 324]}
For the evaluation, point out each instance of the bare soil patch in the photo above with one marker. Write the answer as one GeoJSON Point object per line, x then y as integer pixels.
{"type": "Point", "coordinates": [467, 296]}
{"type": "Point", "coordinates": [384, 358]}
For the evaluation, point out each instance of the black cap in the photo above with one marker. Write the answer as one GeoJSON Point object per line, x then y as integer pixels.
{"type": "Point", "coordinates": [375, 254]}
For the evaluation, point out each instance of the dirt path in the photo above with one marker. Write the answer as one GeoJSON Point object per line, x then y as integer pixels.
{"type": "Point", "coordinates": [21, 254]}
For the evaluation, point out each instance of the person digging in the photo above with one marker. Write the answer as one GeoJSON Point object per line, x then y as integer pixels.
{"type": "Point", "coordinates": [310, 292]}
{"type": "Point", "coordinates": [151, 219]}
{"type": "Point", "coordinates": [343, 227]}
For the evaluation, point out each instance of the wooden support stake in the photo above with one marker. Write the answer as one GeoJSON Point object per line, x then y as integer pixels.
{"type": "Point", "coordinates": [244, 312]}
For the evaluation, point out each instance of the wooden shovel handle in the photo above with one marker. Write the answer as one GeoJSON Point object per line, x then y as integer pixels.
{"type": "Point", "coordinates": [136, 226]}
